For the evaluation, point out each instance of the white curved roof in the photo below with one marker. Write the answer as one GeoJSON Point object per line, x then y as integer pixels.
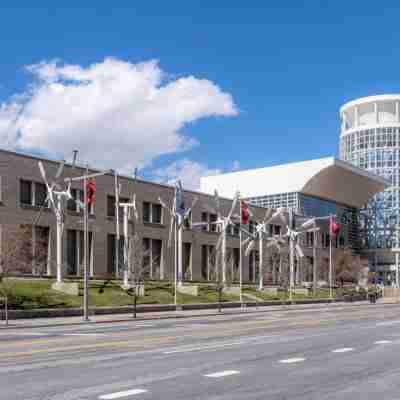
{"type": "Point", "coordinates": [326, 178]}
{"type": "Point", "coordinates": [369, 99]}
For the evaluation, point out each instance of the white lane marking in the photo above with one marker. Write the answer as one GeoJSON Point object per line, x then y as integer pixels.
{"type": "Point", "coordinates": [83, 334]}
{"type": "Point", "coordinates": [222, 374]}
{"type": "Point", "coordinates": [24, 333]}
{"type": "Point", "coordinates": [292, 360]}
{"type": "Point", "coordinates": [388, 323]}
{"type": "Point", "coordinates": [200, 348]}
{"type": "Point", "coordinates": [343, 350]}
{"type": "Point", "coordinates": [118, 395]}
{"type": "Point", "coordinates": [383, 342]}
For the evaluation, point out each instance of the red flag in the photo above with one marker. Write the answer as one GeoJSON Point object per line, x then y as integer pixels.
{"type": "Point", "coordinates": [245, 212]}
{"type": "Point", "coordinates": [91, 191]}
{"type": "Point", "coordinates": [334, 227]}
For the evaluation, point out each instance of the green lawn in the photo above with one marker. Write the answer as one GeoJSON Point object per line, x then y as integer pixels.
{"type": "Point", "coordinates": [37, 293]}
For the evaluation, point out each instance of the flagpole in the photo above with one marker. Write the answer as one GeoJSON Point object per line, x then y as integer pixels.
{"type": "Point", "coordinates": [240, 255]}
{"type": "Point", "coordinates": [330, 258]}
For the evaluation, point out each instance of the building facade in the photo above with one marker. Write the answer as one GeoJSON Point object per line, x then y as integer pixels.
{"type": "Point", "coordinates": [370, 140]}
{"type": "Point", "coordinates": [315, 188]}
{"type": "Point", "coordinates": [23, 193]}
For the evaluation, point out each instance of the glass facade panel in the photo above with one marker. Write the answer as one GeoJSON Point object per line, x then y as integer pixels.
{"type": "Point", "coordinates": [377, 150]}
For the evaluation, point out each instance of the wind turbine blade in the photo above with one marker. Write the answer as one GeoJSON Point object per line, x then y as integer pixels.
{"type": "Point", "coordinates": [217, 204]}
{"type": "Point", "coordinates": [171, 232]}
{"type": "Point", "coordinates": [308, 224]}
{"type": "Point", "coordinates": [283, 217]}
{"type": "Point", "coordinates": [163, 204]}
{"type": "Point", "coordinates": [43, 173]}
{"type": "Point", "coordinates": [135, 211]}
{"type": "Point", "coordinates": [250, 247]}
{"type": "Point", "coordinates": [219, 242]}
{"type": "Point", "coordinates": [249, 239]}
{"type": "Point", "coordinates": [268, 214]}
{"type": "Point", "coordinates": [60, 169]}
{"type": "Point", "coordinates": [233, 205]}
{"type": "Point", "coordinates": [299, 251]}
{"type": "Point", "coordinates": [39, 213]}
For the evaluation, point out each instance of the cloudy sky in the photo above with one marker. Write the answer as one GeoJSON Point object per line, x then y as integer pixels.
{"type": "Point", "coordinates": [182, 92]}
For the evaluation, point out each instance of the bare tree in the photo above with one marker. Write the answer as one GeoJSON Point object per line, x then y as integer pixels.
{"type": "Point", "coordinates": [19, 255]}
{"type": "Point", "coordinates": [347, 266]}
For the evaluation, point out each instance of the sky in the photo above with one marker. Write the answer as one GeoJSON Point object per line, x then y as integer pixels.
{"type": "Point", "coordinates": [185, 89]}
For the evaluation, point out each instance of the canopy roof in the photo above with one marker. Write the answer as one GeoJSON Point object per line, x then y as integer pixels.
{"type": "Point", "coordinates": [326, 178]}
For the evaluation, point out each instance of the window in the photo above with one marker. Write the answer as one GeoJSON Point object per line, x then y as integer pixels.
{"type": "Point", "coordinates": [254, 262]}
{"type": "Point", "coordinates": [152, 213]}
{"type": "Point", "coordinates": [152, 258]}
{"type": "Point", "coordinates": [77, 196]}
{"type": "Point", "coordinates": [25, 192]}
{"type": "Point", "coordinates": [40, 194]}
{"type": "Point", "coordinates": [111, 206]}
{"type": "Point", "coordinates": [40, 249]}
{"type": "Point", "coordinates": [32, 193]}
{"type": "Point", "coordinates": [207, 262]}
{"type": "Point", "coordinates": [146, 212]}
{"type": "Point", "coordinates": [156, 213]}
{"type": "Point", "coordinates": [187, 261]}
{"type": "Point", "coordinates": [75, 252]}
{"type": "Point", "coordinates": [112, 256]}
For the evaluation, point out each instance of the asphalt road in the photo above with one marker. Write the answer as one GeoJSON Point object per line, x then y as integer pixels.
{"type": "Point", "coordinates": [330, 352]}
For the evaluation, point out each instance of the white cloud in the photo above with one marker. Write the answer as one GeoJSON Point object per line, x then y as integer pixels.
{"type": "Point", "coordinates": [189, 172]}
{"type": "Point", "coordinates": [118, 114]}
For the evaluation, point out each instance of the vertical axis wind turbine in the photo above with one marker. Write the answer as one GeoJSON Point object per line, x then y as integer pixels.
{"type": "Point", "coordinates": [270, 241]}
{"type": "Point", "coordinates": [293, 233]}
{"type": "Point", "coordinates": [128, 243]}
{"type": "Point", "coordinates": [179, 214]}
{"type": "Point", "coordinates": [58, 208]}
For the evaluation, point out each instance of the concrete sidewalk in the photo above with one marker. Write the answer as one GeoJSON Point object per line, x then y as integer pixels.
{"type": "Point", "coordinates": [148, 316]}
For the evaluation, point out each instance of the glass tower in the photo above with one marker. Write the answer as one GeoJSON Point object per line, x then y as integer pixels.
{"type": "Point", "coordinates": [370, 139]}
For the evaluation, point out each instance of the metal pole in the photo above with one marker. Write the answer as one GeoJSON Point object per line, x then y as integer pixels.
{"type": "Point", "coordinates": [224, 228]}
{"type": "Point", "coordinates": [315, 261]}
{"type": "Point", "coordinates": [59, 239]}
{"type": "Point", "coordinates": [240, 258]}
{"type": "Point", "coordinates": [116, 225]}
{"type": "Point", "coordinates": [330, 267]}
{"type": "Point", "coordinates": [6, 308]}
{"type": "Point", "coordinates": [180, 257]}
{"type": "Point", "coordinates": [261, 280]}
{"type": "Point", "coordinates": [126, 244]}
{"type": "Point", "coordinates": [397, 270]}
{"type": "Point", "coordinates": [176, 266]}
{"type": "Point", "coordinates": [85, 251]}
{"type": "Point", "coordinates": [291, 262]}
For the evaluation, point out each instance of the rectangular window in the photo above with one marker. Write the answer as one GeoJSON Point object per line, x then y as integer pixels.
{"type": "Point", "coordinates": [110, 206]}
{"type": "Point", "coordinates": [152, 258]}
{"type": "Point", "coordinates": [213, 218]}
{"type": "Point", "coordinates": [187, 261]}
{"type": "Point", "coordinates": [152, 213]}
{"type": "Point", "coordinates": [72, 256]}
{"type": "Point", "coordinates": [156, 213]}
{"type": "Point", "coordinates": [41, 249]}
{"type": "Point", "coordinates": [40, 194]}
{"type": "Point", "coordinates": [25, 192]}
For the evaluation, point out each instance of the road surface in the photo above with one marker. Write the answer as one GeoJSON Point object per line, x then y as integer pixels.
{"type": "Point", "coordinates": [327, 352]}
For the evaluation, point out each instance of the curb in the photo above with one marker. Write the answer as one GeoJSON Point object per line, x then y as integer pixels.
{"type": "Point", "coordinates": [238, 310]}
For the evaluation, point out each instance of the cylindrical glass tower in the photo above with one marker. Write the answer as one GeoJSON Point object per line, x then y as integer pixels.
{"type": "Point", "coordinates": [370, 139]}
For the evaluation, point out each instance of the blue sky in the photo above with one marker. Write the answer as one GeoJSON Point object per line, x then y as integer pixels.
{"type": "Point", "coordinates": [288, 67]}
